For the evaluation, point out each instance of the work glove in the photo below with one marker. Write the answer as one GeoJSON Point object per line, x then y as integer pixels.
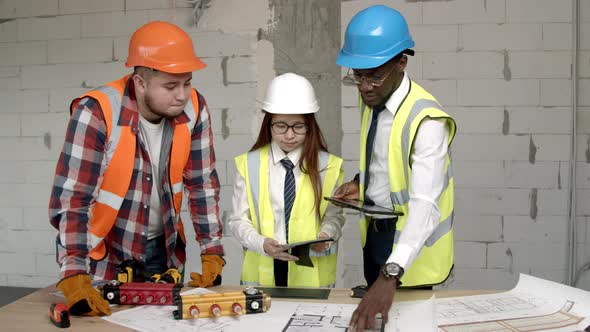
{"type": "Point", "coordinates": [211, 266]}
{"type": "Point", "coordinates": [83, 300]}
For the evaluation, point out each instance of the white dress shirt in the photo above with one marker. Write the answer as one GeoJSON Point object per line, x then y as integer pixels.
{"type": "Point", "coordinates": [240, 223]}
{"type": "Point", "coordinates": [428, 164]}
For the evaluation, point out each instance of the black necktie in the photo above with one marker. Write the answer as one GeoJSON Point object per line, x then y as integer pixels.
{"type": "Point", "coordinates": [289, 192]}
{"type": "Point", "coordinates": [371, 141]}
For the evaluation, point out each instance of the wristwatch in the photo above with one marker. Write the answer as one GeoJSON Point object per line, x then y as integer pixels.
{"type": "Point", "coordinates": [393, 271]}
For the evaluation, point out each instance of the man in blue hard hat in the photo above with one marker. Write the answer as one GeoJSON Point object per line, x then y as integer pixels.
{"type": "Point", "coordinates": [404, 163]}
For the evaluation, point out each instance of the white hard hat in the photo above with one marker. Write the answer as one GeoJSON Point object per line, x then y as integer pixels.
{"type": "Point", "coordinates": [290, 94]}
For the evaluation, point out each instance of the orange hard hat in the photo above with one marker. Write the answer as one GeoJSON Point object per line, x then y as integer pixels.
{"type": "Point", "coordinates": [163, 46]}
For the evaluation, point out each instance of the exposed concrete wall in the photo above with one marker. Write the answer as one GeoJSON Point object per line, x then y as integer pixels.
{"type": "Point", "coordinates": [306, 40]}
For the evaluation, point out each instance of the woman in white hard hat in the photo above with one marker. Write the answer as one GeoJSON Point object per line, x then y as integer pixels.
{"type": "Point", "coordinates": [278, 193]}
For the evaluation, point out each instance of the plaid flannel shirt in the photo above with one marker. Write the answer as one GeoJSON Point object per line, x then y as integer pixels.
{"type": "Point", "coordinates": [77, 180]}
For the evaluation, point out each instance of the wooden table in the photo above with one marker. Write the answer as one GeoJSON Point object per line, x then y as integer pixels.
{"type": "Point", "coordinates": [31, 313]}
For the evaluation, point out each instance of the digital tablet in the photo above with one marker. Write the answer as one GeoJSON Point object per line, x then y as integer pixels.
{"type": "Point", "coordinates": [365, 207]}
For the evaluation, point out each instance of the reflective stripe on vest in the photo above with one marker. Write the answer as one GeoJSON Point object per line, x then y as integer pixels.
{"type": "Point", "coordinates": [119, 159]}
{"type": "Point", "coordinates": [435, 259]}
{"type": "Point", "coordinates": [259, 269]}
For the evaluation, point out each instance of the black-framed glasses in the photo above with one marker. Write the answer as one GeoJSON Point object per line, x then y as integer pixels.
{"type": "Point", "coordinates": [280, 128]}
{"type": "Point", "coordinates": [355, 79]}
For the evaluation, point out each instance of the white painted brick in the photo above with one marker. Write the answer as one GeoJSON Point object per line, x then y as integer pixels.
{"type": "Point", "coordinates": [241, 69]}
{"type": "Point", "coordinates": [527, 120]}
{"type": "Point", "coordinates": [584, 98]}
{"type": "Point", "coordinates": [89, 6]}
{"type": "Point", "coordinates": [9, 124]}
{"type": "Point", "coordinates": [477, 228]}
{"type": "Point", "coordinates": [487, 279]}
{"type": "Point", "coordinates": [445, 91]}
{"type": "Point", "coordinates": [218, 43]}
{"type": "Point", "coordinates": [494, 37]}
{"type": "Point", "coordinates": [545, 229]}
{"type": "Point", "coordinates": [80, 50]}
{"type": "Point", "coordinates": [584, 10]}
{"type": "Point", "coordinates": [112, 24]}
{"type": "Point", "coordinates": [435, 38]}
{"type": "Point", "coordinates": [411, 10]}
{"type": "Point", "coordinates": [538, 11]}
{"type": "Point", "coordinates": [11, 218]}
{"type": "Point", "coordinates": [79, 75]}
{"type": "Point", "coordinates": [225, 15]}
{"type": "Point", "coordinates": [583, 121]}
{"type": "Point", "coordinates": [8, 31]}
{"type": "Point", "coordinates": [584, 64]}
{"type": "Point", "coordinates": [21, 262]}
{"type": "Point", "coordinates": [463, 11]}
{"type": "Point", "coordinates": [60, 98]}
{"type": "Point", "coordinates": [21, 280]}
{"type": "Point", "coordinates": [237, 121]}
{"type": "Point", "coordinates": [231, 96]}
{"type": "Point", "coordinates": [584, 43]}
{"type": "Point", "coordinates": [232, 146]}
{"type": "Point", "coordinates": [582, 175]}
{"type": "Point", "coordinates": [463, 65]}
{"type": "Point", "coordinates": [351, 120]}
{"type": "Point", "coordinates": [25, 8]}
{"type": "Point", "coordinates": [181, 17]}
{"type": "Point", "coordinates": [477, 120]}
{"type": "Point", "coordinates": [492, 202]}
{"type": "Point", "coordinates": [583, 148]}
{"type": "Point", "coordinates": [45, 265]}
{"type": "Point", "coordinates": [350, 168]}
{"type": "Point", "coordinates": [10, 83]}
{"type": "Point", "coordinates": [35, 171]}
{"type": "Point", "coordinates": [556, 275]}
{"type": "Point", "coordinates": [11, 172]}
{"type": "Point", "coordinates": [541, 64]}
{"type": "Point", "coordinates": [551, 147]}
{"type": "Point", "coordinates": [557, 36]}
{"type": "Point", "coordinates": [152, 4]}
{"type": "Point", "coordinates": [44, 28]}
{"type": "Point", "coordinates": [3, 280]}
{"type": "Point", "coordinates": [29, 148]}
{"type": "Point", "coordinates": [497, 147]}
{"type": "Point", "coordinates": [23, 101]}
{"type": "Point", "coordinates": [351, 230]}
{"type": "Point", "coordinates": [23, 53]}
{"type": "Point", "coordinates": [498, 92]}
{"type": "Point", "coordinates": [507, 174]}
{"type": "Point", "coordinates": [350, 146]}
{"type": "Point", "coordinates": [524, 256]}
{"type": "Point", "coordinates": [470, 254]}
{"type": "Point", "coordinates": [350, 96]}
{"type": "Point", "coordinates": [9, 71]}
{"type": "Point", "coordinates": [36, 218]}
{"type": "Point", "coordinates": [120, 48]}
{"type": "Point", "coordinates": [212, 75]}
{"type": "Point", "coordinates": [582, 199]}
{"type": "Point", "coordinates": [25, 195]}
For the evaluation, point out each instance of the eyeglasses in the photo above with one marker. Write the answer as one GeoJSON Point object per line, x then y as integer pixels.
{"type": "Point", "coordinates": [354, 79]}
{"type": "Point", "coordinates": [280, 128]}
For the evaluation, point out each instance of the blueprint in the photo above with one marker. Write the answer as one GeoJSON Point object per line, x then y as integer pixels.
{"type": "Point", "coordinates": [533, 305]}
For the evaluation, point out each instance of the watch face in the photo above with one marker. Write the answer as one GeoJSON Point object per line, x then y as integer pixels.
{"type": "Point", "coordinates": [392, 269]}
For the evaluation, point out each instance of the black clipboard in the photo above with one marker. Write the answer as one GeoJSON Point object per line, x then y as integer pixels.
{"type": "Point", "coordinates": [301, 250]}
{"type": "Point", "coordinates": [365, 207]}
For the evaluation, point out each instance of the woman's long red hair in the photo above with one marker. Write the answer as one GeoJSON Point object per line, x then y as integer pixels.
{"type": "Point", "coordinates": [309, 162]}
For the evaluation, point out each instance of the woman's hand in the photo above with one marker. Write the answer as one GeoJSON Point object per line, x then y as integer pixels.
{"type": "Point", "coordinates": [322, 246]}
{"type": "Point", "coordinates": [276, 250]}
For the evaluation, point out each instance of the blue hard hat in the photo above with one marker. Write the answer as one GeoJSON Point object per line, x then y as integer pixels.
{"type": "Point", "coordinates": [374, 36]}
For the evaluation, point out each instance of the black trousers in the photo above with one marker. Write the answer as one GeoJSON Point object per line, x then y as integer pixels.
{"type": "Point", "coordinates": [376, 252]}
{"type": "Point", "coordinates": [281, 272]}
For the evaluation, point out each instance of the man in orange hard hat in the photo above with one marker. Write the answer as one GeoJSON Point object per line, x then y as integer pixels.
{"type": "Point", "coordinates": [132, 148]}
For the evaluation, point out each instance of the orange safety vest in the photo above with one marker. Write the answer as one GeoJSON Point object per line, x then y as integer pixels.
{"type": "Point", "coordinates": [120, 156]}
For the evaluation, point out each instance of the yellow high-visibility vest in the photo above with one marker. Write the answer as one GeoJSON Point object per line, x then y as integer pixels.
{"type": "Point", "coordinates": [304, 225]}
{"type": "Point", "coordinates": [435, 260]}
